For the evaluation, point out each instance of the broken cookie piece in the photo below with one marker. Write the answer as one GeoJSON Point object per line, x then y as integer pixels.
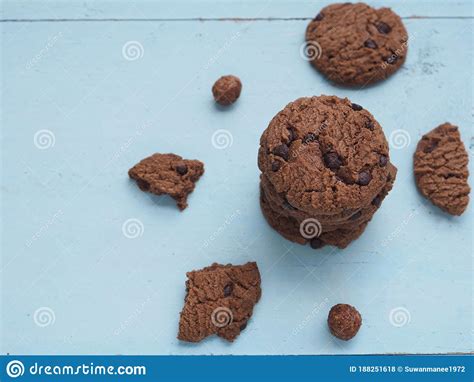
{"type": "Point", "coordinates": [219, 300]}
{"type": "Point", "coordinates": [441, 169]}
{"type": "Point", "coordinates": [168, 174]}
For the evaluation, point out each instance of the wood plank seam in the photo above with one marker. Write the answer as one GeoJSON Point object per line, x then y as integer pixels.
{"type": "Point", "coordinates": [201, 19]}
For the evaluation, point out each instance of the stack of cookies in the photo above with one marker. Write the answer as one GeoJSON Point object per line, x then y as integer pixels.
{"type": "Point", "coordinates": [325, 171]}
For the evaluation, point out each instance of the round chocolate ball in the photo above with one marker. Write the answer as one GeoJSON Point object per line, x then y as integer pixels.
{"type": "Point", "coordinates": [226, 90]}
{"type": "Point", "coordinates": [344, 321]}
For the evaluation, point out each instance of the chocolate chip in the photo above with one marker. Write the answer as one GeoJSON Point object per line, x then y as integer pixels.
{"type": "Point", "coordinates": [370, 44]}
{"type": "Point", "coordinates": [316, 243]}
{"type": "Point", "coordinates": [282, 151]}
{"type": "Point", "coordinates": [364, 178]}
{"type": "Point", "coordinates": [291, 135]}
{"type": "Point", "coordinates": [308, 138]}
{"type": "Point", "coordinates": [383, 28]}
{"type": "Point", "coordinates": [228, 290]}
{"type": "Point", "coordinates": [319, 17]}
{"type": "Point", "coordinates": [430, 147]}
{"type": "Point", "coordinates": [143, 185]}
{"type": "Point", "coordinates": [377, 201]}
{"type": "Point", "coordinates": [276, 165]}
{"type": "Point", "coordinates": [383, 160]}
{"type": "Point", "coordinates": [356, 216]}
{"type": "Point", "coordinates": [181, 169]}
{"type": "Point", "coordinates": [243, 326]}
{"type": "Point", "coordinates": [356, 107]}
{"type": "Point", "coordinates": [332, 160]}
{"type": "Point", "coordinates": [369, 124]}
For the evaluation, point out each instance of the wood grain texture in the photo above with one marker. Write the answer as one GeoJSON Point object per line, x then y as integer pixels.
{"type": "Point", "coordinates": [64, 206]}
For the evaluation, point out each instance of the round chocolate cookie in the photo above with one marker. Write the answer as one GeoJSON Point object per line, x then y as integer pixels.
{"type": "Point", "coordinates": [325, 154]}
{"type": "Point", "coordinates": [356, 44]}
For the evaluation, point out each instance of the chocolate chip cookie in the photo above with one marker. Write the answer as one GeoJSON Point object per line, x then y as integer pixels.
{"type": "Point", "coordinates": [326, 160]}
{"type": "Point", "coordinates": [441, 169]}
{"type": "Point", "coordinates": [219, 300]}
{"type": "Point", "coordinates": [332, 155]}
{"type": "Point", "coordinates": [168, 174]}
{"type": "Point", "coordinates": [356, 44]}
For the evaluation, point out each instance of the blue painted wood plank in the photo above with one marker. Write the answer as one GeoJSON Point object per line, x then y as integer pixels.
{"type": "Point", "coordinates": [143, 9]}
{"type": "Point", "coordinates": [66, 196]}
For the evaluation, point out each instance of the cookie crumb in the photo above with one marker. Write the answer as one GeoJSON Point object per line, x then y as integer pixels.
{"type": "Point", "coordinates": [344, 321]}
{"type": "Point", "coordinates": [226, 90]}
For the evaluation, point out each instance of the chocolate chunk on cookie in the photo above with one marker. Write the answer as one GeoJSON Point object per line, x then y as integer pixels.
{"type": "Point", "coordinates": [226, 90]}
{"type": "Point", "coordinates": [168, 174]}
{"type": "Point", "coordinates": [441, 169]}
{"type": "Point", "coordinates": [219, 300]}
{"type": "Point", "coordinates": [357, 44]}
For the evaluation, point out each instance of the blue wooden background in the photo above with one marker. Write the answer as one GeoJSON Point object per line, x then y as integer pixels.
{"type": "Point", "coordinates": [89, 88]}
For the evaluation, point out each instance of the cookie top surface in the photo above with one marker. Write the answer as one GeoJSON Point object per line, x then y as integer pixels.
{"type": "Point", "coordinates": [167, 174]}
{"type": "Point", "coordinates": [325, 155]}
{"type": "Point", "coordinates": [355, 44]}
{"type": "Point", "coordinates": [219, 300]}
{"type": "Point", "coordinates": [441, 169]}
